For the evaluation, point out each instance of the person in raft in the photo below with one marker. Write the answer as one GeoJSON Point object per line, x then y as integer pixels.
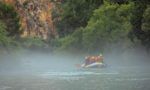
{"type": "Point", "coordinates": [93, 59]}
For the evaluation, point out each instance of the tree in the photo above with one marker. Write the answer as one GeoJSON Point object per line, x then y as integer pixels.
{"type": "Point", "coordinates": [11, 19]}
{"type": "Point", "coordinates": [4, 40]}
{"type": "Point", "coordinates": [139, 22]}
{"type": "Point", "coordinates": [75, 14]}
{"type": "Point", "coordinates": [146, 27]}
{"type": "Point", "coordinates": [119, 1]}
{"type": "Point", "coordinates": [109, 25]}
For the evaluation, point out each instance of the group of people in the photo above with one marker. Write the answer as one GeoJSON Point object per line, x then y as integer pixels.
{"type": "Point", "coordinates": [93, 59]}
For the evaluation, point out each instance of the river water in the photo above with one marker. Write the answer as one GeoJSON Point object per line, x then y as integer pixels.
{"type": "Point", "coordinates": [63, 74]}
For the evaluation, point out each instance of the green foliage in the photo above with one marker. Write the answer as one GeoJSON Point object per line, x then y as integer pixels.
{"type": "Point", "coordinates": [6, 41]}
{"type": "Point", "coordinates": [146, 20]}
{"type": "Point", "coordinates": [146, 27]}
{"type": "Point", "coordinates": [88, 25]}
{"type": "Point", "coordinates": [72, 42]}
{"type": "Point", "coordinates": [137, 17]}
{"type": "Point", "coordinates": [119, 1]}
{"type": "Point", "coordinates": [10, 32]}
{"type": "Point", "coordinates": [139, 21]}
{"type": "Point", "coordinates": [109, 25]}
{"type": "Point", "coordinates": [3, 37]}
{"type": "Point", "coordinates": [33, 43]}
{"type": "Point", "coordinates": [11, 19]}
{"type": "Point", "coordinates": [75, 14]}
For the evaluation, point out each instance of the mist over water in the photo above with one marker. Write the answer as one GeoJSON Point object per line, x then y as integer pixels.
{"type": "Point", "coordinates": [49, 71]}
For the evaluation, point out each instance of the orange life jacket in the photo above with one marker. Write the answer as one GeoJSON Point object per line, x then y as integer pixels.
{"type": "Point", "coordinates": [92, 59]}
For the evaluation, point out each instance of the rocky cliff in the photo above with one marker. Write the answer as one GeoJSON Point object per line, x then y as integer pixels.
{"type": "Point", "coordinates": [35, 17]}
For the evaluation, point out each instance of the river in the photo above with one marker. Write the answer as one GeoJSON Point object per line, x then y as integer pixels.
{"type": "Point", "coordinates": [57, 74]}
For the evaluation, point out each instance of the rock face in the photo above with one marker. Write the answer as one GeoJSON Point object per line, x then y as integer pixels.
{"type": "Point", "coordinates": [35, 17]}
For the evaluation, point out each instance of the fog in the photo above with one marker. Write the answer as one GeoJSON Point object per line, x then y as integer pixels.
{"type": "Point", "coordinates": [32, 62]}
{"type": "Point", "coordinates": [34, 70]}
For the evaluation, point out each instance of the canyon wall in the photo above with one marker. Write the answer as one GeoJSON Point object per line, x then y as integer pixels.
{"type": "Point", "coordinates": [35, 17]}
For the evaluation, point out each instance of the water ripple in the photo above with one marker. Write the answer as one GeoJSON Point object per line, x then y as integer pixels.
{"type": "Point", "coordinates": [76, 73]}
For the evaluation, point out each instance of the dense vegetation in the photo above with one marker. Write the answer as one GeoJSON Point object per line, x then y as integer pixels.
{"type": "Point", "coordinates": [10, 31]}
{"type": "Point", "coordinates": [74, 14]}
{"type": "Point", "coordinates": [113, 24]}
{"type": "Point", "coordinates": [9, 27]}
{"type": "Point", "coordinates": [86, 25]}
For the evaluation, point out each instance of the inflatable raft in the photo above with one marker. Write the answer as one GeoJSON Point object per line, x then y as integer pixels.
{"type": "Point", "coordinates": [94, 65]}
